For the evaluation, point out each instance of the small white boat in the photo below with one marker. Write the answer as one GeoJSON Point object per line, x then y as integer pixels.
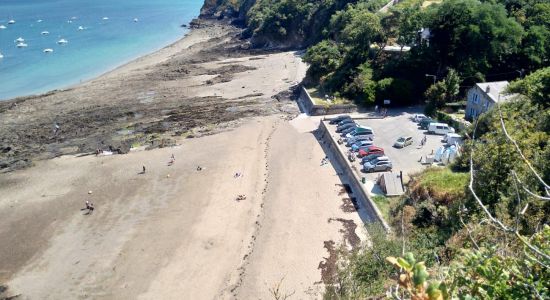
{"type": "Point", "coordinates": [80, 28]}
{"type": "Point", "coordinates": [45, 33]}
{"type": "Point", "coordinates": [21, 45]}
{"type": "Point", "coordinates": [1, 56]}
{"type": "Point", "coordinates": [39, 21]}
{"type": "Point", "coordinates": [11, 22]}
{"type": "Point", "coordinates": [19, 40]}
{"type": "Point", "coordinates": [74, 18]}
{"type": "Point", "coordinates": [69, 21]}
{"type": "Point", "coordinates": [48, 50]}
{"type": "Point", "coordinates": [3, 27]}
{"type": "Point", "coordinates": [62, 42]}
{"type": "Point", "coordinates": [136, 20]}
{"type": "Point", "coordinates": [105, 18]}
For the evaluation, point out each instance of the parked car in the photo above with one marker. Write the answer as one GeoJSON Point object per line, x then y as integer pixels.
{"type": "Point", "coordinates": [354, 140]}
{"type": "Point", "coordinates": [355, 147]}
{"type": "Point", "coordinates": [352, 129]}
{"type": "Point", "coordinates": [403, 142]}
{"type": "Point", "coordinates": [378, 165]}
{"type": "Point", "coordinates": [347, 130]}
{"type": "Point", "coordinates": [361, 131]}
{"type": "Point", "coordinates": [345, 126]}
{"type": "Point", "coordinates": [440, 128]}
{"type": "Point", "coordinates": [370, 150]}
{"type": "Point", "coordinates": [419, 117]}
{"type": "Point", "coordinates": [425, 123]}
{"type": "Point", "coordinates": [346, 121]}
{"type": "Point", "coordinates": [375, 159]}
{"type": "Point", "coordinates": [365, 147]}
{"type": "Point", "coordinates": [371, 157]}
{"type": "Point", "coordinates": [337, 119]}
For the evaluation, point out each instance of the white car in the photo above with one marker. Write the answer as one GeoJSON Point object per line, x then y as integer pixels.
{"type": "Point", "coordinates": [359, 144]}
{"type": "Point", "coordinates": [419, 117]}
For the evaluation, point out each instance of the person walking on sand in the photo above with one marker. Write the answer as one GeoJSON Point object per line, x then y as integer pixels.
{"type": "Point", "coordinates": [143, 170]}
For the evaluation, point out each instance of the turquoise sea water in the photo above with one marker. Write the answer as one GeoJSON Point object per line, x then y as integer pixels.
{"type": "Point", "coordinates": [109, 37]}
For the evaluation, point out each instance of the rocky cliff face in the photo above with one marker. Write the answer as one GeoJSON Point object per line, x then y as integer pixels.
{"type": "Point", "coordinates": [237, 11]}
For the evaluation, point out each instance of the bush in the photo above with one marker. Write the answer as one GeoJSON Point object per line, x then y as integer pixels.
{"type": "Point", "coordinates": [395, 89]}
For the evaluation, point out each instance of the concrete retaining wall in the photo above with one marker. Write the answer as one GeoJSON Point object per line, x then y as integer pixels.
{"type": "Point", "coordinates": [313, 109]}
{"type": "Point", "coordinates": [358, 188]}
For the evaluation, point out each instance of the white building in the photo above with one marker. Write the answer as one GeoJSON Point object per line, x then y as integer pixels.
{"type": "Point", "coordinates": [483, 96]}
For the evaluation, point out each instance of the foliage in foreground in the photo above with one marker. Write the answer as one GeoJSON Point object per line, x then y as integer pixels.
{"type": "Point", "coordinates": [484, 273]}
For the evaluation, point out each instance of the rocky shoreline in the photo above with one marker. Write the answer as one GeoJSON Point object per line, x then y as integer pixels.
{"type": "Point", "coordinates": [150, 102]}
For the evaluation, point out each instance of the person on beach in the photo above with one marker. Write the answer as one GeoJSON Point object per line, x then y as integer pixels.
{"type": "Point", "coordinates": [89, 207]}
{"type": "Point", "coordinates": [56, 129]}
{"type": "Point", "coordinates": [143, 170]}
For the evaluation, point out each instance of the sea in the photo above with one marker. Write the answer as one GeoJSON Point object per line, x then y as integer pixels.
{"type": "Point", "coordinates": [100, 35]}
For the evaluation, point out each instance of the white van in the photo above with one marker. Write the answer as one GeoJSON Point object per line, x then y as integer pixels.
{"type": "Point", "coordinates": [452, 138]}
{"type": "Point", "coordinates": [440, 128]}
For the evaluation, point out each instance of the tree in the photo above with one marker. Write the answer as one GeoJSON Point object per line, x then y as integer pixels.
{"type": "Point", "coordinates": [471, 36]}
{"type": "Point", "coordinates": [397, 90]}
{"type": "Point", "coordinates": [323, 59]}
{"type": "Point", "coordinates": [357, 28]}
{"type": "Point", "coordinates": [535, 86]}
{"type": "Point", "coordinates": [442, 92]}
{"type": "Point", "coordinates": [363, 86]}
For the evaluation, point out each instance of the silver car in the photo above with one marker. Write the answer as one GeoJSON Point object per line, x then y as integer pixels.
{"type": "Point", "coordinates": [403, 142]}
{"type": "Point", "coordinates": [377, 165]}
{"type": "Point", "coordinates": [353, 140]}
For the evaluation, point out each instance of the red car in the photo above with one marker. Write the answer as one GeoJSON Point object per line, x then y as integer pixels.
{"type": "Point", "coordinates": [370, 150]}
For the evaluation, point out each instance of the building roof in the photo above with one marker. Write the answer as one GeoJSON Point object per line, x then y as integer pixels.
{"type": "Point", "coordinates": [493, 89]}
{"type": "Point", "coordinates": [392, 182]}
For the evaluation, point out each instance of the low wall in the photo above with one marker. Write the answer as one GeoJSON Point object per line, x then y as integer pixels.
{"type": "Point", "coordinates": [358, 188]}
{"type": "Point", "coordinates": [313, 109]}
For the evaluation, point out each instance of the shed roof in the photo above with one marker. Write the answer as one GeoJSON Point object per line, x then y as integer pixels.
{"type": "Point", "coordinates": [392, 184]}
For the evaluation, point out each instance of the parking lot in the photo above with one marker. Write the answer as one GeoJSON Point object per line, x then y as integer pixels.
{"type": "Point", "coordinates": [386, 132]}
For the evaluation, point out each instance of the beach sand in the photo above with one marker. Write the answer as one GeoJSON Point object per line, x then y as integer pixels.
{"type": "Point", "coordinates": [173, 232]}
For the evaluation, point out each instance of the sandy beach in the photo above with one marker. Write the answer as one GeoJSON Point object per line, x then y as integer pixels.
{"type": "Point", "coordinates": [177, 231]}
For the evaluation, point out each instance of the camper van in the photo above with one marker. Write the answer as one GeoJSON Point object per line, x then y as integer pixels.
{"type": "Point", "coordinates": [440, 128]}
{"type": "Point", "coordinates": [452, 138]}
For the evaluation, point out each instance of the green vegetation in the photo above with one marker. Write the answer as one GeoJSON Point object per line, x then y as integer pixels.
{"type": "Point", "coordinates": [446, 228]}
{"type": "Point", "coordinates": [364, 272]}
{"type": "Point", "coordinates": [535, 86]}
{"type": "Point", "coordinates": [384, 205]}
{"type": "Point", "coordinates": [319, 98]}
{"type": "Point", "coordinates": [471, 40]}
{"type": "Point", "coordinates": [444, 181]}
